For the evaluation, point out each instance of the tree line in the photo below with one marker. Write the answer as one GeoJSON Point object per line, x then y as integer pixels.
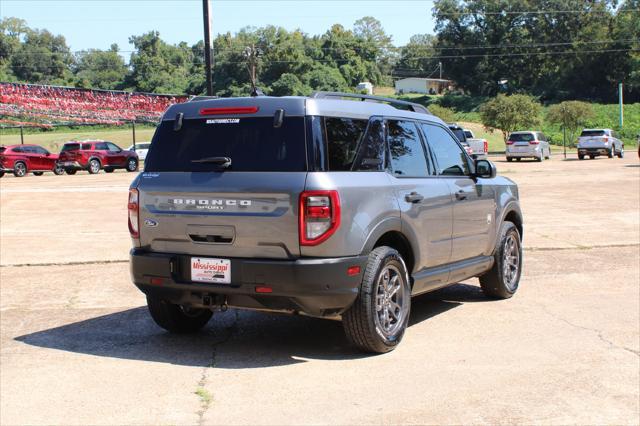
{"type": "Point", "coordinates": [552, 49]}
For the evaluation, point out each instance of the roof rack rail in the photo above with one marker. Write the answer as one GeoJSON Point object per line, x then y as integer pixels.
{"type": "Point", "coordinates": [201, 98]}
{"type": "Point", "coordinates": [413, 106]}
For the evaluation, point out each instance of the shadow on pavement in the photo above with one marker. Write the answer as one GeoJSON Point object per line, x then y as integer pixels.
{"type": "Point", "coordinates": [234, 339]}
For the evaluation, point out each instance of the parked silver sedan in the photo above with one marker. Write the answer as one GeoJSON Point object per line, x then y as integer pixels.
{"type": "Point", "coordinates": [528, 144]}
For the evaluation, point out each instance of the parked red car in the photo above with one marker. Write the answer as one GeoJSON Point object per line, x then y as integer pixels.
{"type": "Point", "coordinates": [22, 159]}
{"type": "Point", "coordinates": [95, 155]}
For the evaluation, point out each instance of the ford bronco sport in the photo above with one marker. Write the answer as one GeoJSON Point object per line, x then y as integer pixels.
{"type": "Point", "coordinates": [317, 205]}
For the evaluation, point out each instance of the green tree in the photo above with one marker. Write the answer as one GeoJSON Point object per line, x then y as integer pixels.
{"type": "Point", "coordinates": [445, 114]}
{"type": "Point", "coordinates": [510, 113]}
{"type": "Point", "coordinates": [100, 69]}
{"type": "Point", "coordinates": [42, 58]}
{"type": "Point", "coordinates": [289, 85]}
{"type": "Point", "coordinates": [415, 56]}
{"type": "Point", "coordinates": [571, 116]}
{"type": "Point", "coordinates": [157, 66]}
{"type": "Point", "coordinates": [11, 30]}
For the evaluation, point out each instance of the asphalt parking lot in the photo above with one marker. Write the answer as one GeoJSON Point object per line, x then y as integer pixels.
{"type": "Point", "coordinates": [77, 345]}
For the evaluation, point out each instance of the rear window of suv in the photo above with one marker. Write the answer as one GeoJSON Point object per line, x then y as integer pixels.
{"type": "Point", "coordinates": [70, 147]}
{"type": "Point", "coordinates": [588, 133]}
{"type": "Point", "coordinates": [522, 137]}
{"type": "Point", "coordinates": [253, 144]}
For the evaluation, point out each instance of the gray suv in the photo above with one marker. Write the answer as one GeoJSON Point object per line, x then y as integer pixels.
{"type": "Point", "coordinates": [317, 205]}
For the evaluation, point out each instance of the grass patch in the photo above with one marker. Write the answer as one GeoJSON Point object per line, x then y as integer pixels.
{"type": "Point", "coordinates": [53, 140]}
{"type": "Point", "coordinates": [205, 395]}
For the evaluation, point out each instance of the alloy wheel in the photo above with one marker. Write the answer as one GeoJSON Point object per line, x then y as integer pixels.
{"type": "Point", "coordinates": [511, 261]}
{"type": "Point", "coordinates": [392, 304]}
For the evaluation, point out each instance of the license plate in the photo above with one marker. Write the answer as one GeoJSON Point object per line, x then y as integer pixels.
{"type": "Point", "coordinates": [207, 270]}
{"type": "Point", "coordinates": [68, 163]}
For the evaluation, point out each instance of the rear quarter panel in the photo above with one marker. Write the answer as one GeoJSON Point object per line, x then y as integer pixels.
{"type": "Point", "coordinates": [366, 201]}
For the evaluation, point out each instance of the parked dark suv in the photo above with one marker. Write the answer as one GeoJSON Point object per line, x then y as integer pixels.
{"type": "Point", "coordinates": [320, 205]}
{"type": "Point", "coordinates": [95, 155]}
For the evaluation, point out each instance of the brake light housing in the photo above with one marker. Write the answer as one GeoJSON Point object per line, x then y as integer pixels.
{"type": "Point", "coordinates": [133, 206]}
{"type": "Point", "coordinates": [509, 142]}
{"type": "Point", "coordinates": [486, 146]}
{"type": "Point", "coordinates": [318, 216]}
{"type": "Point", "coordinates": [229, 110]}
{"type": "Point", "coordinates": [534, 142]}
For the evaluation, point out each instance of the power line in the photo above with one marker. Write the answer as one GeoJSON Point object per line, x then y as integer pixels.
{"type": "Point", "coordinates": [535, 12]}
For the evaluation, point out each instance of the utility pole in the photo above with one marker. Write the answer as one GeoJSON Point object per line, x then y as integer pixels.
{"type": "Point", "coordinates": [620, 100]}
{"type": "Point", "coordinates": [252, 54]}
{"type": "Point", "coordinates": [440, 66]}
{"type": "Point", "coordinates": [208, 57]}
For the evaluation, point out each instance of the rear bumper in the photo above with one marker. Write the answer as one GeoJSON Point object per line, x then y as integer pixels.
{"type": "Point", "coordinates": [594, 151]}
{"type": "Point", "coordinates": [318, 287]}
{"type": "Point", "coordinates": [524, 154]}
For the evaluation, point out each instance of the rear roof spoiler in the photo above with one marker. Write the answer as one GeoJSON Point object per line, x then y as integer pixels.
{"type": "Point", "coordinates": [394, 102]}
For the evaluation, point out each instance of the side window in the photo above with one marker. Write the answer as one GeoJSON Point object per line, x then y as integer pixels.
{"type": "Point", "coordinates": [113, 147]}
{"type": "Point", "coordinates": [101, 146]}
{"type": "Point", "coordinates": [41, 150]}
{"type": "Point", "coordinates": [18, 149]}
{"type": "Point", "coordinates": [343, 136]}
{"type": "Point", "coordinates": [86, 147]}
{"type": "Point", "coordinates": [407, 153]}
{"type": "Point", "coordinates": [371, 153]}
{"type": "Point", "coordinates": [450, 157]}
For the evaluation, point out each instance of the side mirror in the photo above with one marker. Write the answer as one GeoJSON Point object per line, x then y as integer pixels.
{"type": "Point", "coordinates": [485, 169]}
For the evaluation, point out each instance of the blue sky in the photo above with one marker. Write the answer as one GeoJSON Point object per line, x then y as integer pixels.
{"type": "Point", "coordinates": [96, 24]}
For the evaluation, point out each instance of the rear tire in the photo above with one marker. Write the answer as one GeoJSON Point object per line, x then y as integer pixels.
{"type": "Point", "coordinates": [378, 318]}
{"type": "Point", "coordinates": [621, 153]}
{"type": "Point", "coordinates": [94, 166]}
{"type": "Point", "coordinates": [518, 159]}
{"type": "Point", "coordinates": [38, 173]}
{"type": "Point", "coordinates": [541, 158]}
{"type": "Point", "coordinates": [70, 171]}
{"type": "Point", "coordinates": [502, 280]}
{"type": "Point", "coordinates": [612, 152]}
{"type": "Point", "coordinates": [580, 157]}
{"type": "Point", "coordinates": [176, 318]}
{"type": "Point", "coordinates": [509, 159]}
{"type": "Point", "coordinates": [107, 170]}
{"type": "Point", "coordinates": [20, 169]}
{"type": "Point", "coordinates": [1, 174]}
{"type": "Point", "coordinates": [592, 157]}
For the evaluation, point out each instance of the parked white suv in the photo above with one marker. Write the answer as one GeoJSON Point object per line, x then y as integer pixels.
{"type": "Point", "coordinates": [528, 144]}
{"type": "Point", "coordinates": [141, 148]}
{"type": "Point", "coordinates": [596, 142]}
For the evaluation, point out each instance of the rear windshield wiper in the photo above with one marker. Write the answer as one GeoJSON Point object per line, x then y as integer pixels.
{"type": "Point", "coordinates": [224, 162]}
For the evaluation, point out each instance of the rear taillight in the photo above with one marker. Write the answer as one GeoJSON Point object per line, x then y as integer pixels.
{"type": "Point", "coordinates": [534, 142]}
{"type": "Point", "coordinates": [319, 216]}
{"type": "Point", "coordinates": [486, 146]}
{"type": "Point", "coordinates": [133, 207]}
{"type": "Point", "coordinates": [509, 142]}
{"type": "Point", "coordinates": [606, 139]}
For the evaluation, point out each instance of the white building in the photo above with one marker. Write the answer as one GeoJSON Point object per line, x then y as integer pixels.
{"type": "Point", "coordinates": [365, 86]}
{"type": "Point", "coordinates": [421, 85]}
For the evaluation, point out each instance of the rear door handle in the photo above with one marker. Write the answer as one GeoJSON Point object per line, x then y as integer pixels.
{"type": "Point", "coordinates": [460, 195]}
{"type": "Point", "coordinates": [414, 197]}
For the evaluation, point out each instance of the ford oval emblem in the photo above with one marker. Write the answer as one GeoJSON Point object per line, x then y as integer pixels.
{"type": "Point", "coordinates": [150, 223]}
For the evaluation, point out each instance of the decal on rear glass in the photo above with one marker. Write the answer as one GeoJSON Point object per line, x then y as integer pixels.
{"type": "Point", "coordinates": [223, 121]}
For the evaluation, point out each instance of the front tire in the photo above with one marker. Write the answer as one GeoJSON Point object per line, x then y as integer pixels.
{"type": "Point", "coordinates": [378, 318]}
{"type": "Point", "coordinates": [108, 170]}
{"type": "Point", "coordinates": [58, 171]}
{"type": "Point", "coordinates": [20, 169]}
{"type": "Point", "coordinates": [94, 166]}
{"type": "Point", "coordinates": [509, 159]}
{"type": "Point", "coordinates": [132, 165]}
{"type": "Point", "coordinates": [177, 318]}
{"type": "Point", "coordinates": [621, 153]}
{"type": "Point", "coordinates": [502, 280]}
{"type": "Point", "coordinates": [38, 173]}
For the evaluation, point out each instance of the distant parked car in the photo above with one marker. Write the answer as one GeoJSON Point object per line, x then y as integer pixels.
{"type": "Point", "coordinates": [460, 135]}
{"type": "Point", "coordinates": [141, 149]}
{"type": "Point", "coordinates": [95, 155]}
{"type": "Point", "coordinates": [528, 144]}
{"type": "Point", "coordinates": [596, 142]}
{"type": "Point", "coordinates": [479, 146]}
{"type": "Point", "coordinates": [22, 159]}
